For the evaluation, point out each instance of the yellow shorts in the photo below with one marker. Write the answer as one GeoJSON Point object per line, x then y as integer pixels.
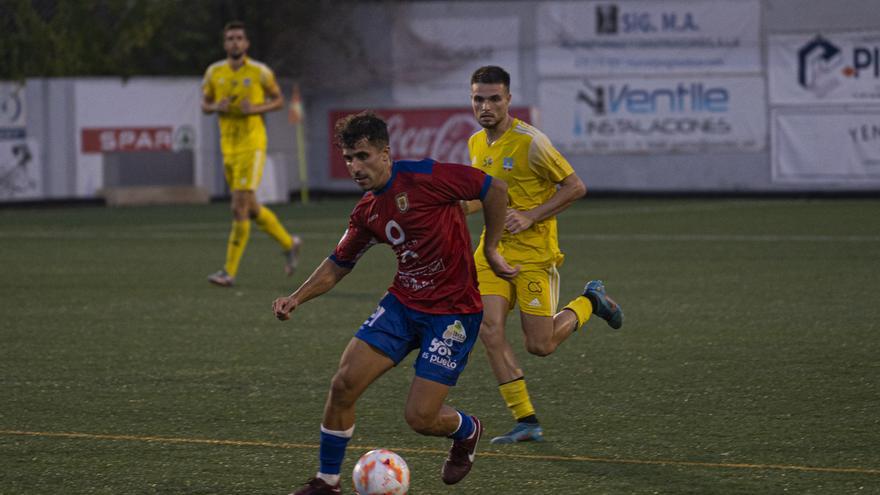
{"type": "Point", "coordinates": [244, 170]}
{"type": "Point", "coordinates": [536, 288]}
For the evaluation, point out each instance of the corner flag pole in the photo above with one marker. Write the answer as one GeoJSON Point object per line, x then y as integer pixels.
{"type": "Point", "coordinates": [296, 118]}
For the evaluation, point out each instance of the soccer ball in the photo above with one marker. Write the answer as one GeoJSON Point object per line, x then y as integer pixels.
{"type": "Point", "coordinates": [381, 472]}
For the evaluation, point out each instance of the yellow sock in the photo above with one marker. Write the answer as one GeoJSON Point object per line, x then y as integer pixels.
{"type": "Point", "coordinates": [516, 396]}
{"type": "Point", "coordinates": [268, 223]}
{"type": "Point", "coordinates": [582, 307]}
{"type": "Point", "coordinates": [238, 238]}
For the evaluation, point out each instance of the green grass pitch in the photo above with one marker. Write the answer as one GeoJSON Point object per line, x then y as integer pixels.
{"type": "Point", "coordinates": [749, 361]}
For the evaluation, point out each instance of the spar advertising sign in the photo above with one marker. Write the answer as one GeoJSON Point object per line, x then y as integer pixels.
{"type": "Point", "coordinates": [104, 140]}
{"type": "Point", "coordinates": [629, 115]}
{"type": "Point", "coordinates": [137, 115]}
{"type": "Point", "coordinates": [836, 68]}
{"type": "Point", "coordinates": [438, 133]}
{"type": "Point", "coordinates": [635, 37]}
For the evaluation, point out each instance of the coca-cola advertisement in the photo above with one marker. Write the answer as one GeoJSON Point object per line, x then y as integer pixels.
{"type": "Point", "coordinates": [438, 133]}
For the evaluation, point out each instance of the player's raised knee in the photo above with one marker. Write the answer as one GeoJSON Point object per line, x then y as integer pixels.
{"type": "Point", "coordinates": [540, 348]}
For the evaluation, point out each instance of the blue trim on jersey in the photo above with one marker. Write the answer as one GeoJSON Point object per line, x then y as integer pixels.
{"type": "Point", "coordinates": [485, 188]}
{"type": "Point", "coordinates": [387, 184]}
{"type": "Point", "coordinates": [410, 166]}
{"type": "Point", "coordinates": [417, 167]}
{"type": "Point", "coordinates": [343, 264]}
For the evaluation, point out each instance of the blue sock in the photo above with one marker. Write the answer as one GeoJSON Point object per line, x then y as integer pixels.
{"type": "Point", "coordinates": [465, 429]}
{"type": "Point", "coordinates": [332, 450]}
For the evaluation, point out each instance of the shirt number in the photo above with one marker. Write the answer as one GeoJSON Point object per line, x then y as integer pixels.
{"type": "Point", "coordinates": [394, 232]}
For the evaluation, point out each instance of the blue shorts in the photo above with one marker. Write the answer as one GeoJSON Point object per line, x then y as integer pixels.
{"type": "Point", "coordinates": [444, 341]}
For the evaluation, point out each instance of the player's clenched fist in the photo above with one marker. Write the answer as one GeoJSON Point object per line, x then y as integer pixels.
{"type": "Point", "coordinates": [283, 306]}
{"type": "Point", "coordinates": [517, 221]}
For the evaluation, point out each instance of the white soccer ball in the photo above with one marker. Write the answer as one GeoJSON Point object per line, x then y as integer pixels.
{"type": "Point", "coordinates": [381, 472]}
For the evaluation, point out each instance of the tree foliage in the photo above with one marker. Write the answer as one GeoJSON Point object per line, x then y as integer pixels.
{"type": "Point", "coordinates": [59, 38]}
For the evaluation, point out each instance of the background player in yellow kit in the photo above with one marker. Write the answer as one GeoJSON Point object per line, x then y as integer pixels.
{"type": "Point", "coordinates": [240, 90]}
{"type": "Point", "coordinates": [541, 184]}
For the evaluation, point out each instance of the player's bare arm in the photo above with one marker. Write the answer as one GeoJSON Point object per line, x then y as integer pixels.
{"type": "Point", "coordinates": [471, 206]}
{"type": "Point", "coordinates": [494, 208]}
{"type": "Point", "coordinates": [324, 278]}
{"type": "Point", "coordinates": [274, 101]}
{"type": "Point", "coordinates": [210, 106]}
{"type": "Point", "coordinates": [570, 189]}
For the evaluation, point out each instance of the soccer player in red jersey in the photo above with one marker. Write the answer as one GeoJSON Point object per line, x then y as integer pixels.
{"type": "Point", "coordinates": [433, 305]}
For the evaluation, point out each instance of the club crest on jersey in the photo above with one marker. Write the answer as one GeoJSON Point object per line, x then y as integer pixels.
{"type": "Point", "coordinates": [402, 202]}
{"type": "Point", "coordinates": [246, 82]}
{"type": "Point", "coordinates": [507, 164]}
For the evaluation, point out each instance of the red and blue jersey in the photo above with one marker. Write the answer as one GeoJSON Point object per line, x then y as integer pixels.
{"type": "Point", "coordinates": [418, 214]}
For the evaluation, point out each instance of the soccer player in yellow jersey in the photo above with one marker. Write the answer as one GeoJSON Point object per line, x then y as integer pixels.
{"type": "Point", "coordinates": [541, 184]}
{"type": "Point", "coordinates": [240, 90]}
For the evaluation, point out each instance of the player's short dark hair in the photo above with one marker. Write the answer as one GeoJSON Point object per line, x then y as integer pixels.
{"type": "Point", "coordinates": [349, 130]}
{"type": "Point", "coordinates": [491, 74]}
{"type": "Point", "coordinates": [233, 25]}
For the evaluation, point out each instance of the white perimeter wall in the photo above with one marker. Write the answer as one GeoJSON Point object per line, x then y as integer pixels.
{"type": "Point", "coordinates": [56, 110]}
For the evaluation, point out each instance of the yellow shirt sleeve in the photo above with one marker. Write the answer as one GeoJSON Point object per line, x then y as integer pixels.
{"type": "Point", "coordinates": [546, 162]}
{"type": "Point", "coordinates": [268, 81]}
{"type": "Point", "coordinates": [208, 83]}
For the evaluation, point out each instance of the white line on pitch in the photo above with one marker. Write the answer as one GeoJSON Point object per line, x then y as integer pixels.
{"type": "Point", "coordinates": [598, 237]}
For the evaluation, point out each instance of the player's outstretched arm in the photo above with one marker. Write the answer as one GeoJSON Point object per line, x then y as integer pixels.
{"type": "Point", "coordinates": [324, 278]}
{"type": "Point", "coordinates": [494, 212]}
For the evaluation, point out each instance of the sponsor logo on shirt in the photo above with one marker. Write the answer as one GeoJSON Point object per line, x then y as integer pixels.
{"type": "Point", "coordinates": [421, 277]}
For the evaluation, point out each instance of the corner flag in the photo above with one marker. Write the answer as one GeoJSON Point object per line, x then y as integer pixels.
{"type": "Point", "coordinates": [296, 118]}
{"type": "Point", "coordinates": [295, 109]}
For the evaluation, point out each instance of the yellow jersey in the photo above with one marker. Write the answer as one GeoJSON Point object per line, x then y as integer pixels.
{"type": "Point", "coordinates": [524, 158]}
{"type": "Point", "coordinates": [253, 80]}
